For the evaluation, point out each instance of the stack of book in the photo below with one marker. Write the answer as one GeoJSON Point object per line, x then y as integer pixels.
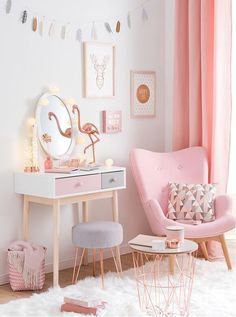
{"type": "Point", "coordinates": [82, 305]}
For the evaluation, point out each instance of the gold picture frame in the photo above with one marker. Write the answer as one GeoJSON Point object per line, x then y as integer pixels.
{"type": "Point", "coordinates": [142, 94]}
{"type": "Point", "coordinates": [99, 70]}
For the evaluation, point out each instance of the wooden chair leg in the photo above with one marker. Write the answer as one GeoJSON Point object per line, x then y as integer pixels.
{"type": "Point", "coordinates": [101, 265]}
{"type": "Point", "coordinates": [94, 262]}
{"type": "Point", "coordinates": [76, 256]}
{"type": "Point", "coordinates": [172, 264]}
{"type": "Point", "coordinates": [80, 263]}
{"type": "Point", "coordinates": [225, 251]}
{"type": "Point", "coordinates": [204, 250]}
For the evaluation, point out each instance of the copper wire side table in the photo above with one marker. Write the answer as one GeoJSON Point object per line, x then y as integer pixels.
{"type": "Point", "coordinates": [160, 291]}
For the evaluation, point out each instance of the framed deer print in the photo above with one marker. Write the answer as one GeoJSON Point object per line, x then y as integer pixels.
{"type": "Point", "coordinates": [143, 94]}
{"type": "Point", "coordinates": [99, 70]}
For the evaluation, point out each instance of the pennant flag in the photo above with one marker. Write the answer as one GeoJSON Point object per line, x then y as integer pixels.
{"type": "Point", "coordinates": [35, 24]}
{"type": "Point", "coordinates": [79, 35]}
{"type": "Point", "coordinates": [94, 33]}
{"type": "Point", "coordinates": [118, 27]}
{"type": "Point", "coordinates": [63, 32]}
{"type": "Point", "coordinates": [144, 15]}
{"type": "Point", "coordinates": [129, 21]}
{"type": "Point", "coordinates": [41, 27]}
{"type": "Point", "coordinates": [108, 27]}
{"type": "Point", "coordinates": [24, 17]}
{"type": "Point", "coordinates": [8, 6]}
{"type": "Point", "coordinates": [52, 29]}
{"type": "Point", "coordinates": [39, 24]}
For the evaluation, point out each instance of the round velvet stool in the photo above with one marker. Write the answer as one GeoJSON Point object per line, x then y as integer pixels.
{"type": "Point", "coordinates": [97, 235]}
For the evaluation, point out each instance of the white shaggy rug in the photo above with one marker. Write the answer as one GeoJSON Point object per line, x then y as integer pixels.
{"type": "Point", "coordinates": [213, 294]}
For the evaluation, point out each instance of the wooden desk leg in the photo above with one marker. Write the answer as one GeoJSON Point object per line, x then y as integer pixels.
{"type": "Point", "coordinates": [85, 219]}
{"type": "Point", "coordinates": [115, 211]}
{"type": "Point", "coordinates": [25, 218]}
{"type": "Point", "coordinates": [115, 214]}
{"type": "Point", "coordinates": [56, 233]}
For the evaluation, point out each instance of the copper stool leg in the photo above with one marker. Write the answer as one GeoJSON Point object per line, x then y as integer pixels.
{"type": "Point", "coordinates": [101, 265]}
{"type": "Point", "coordinates": [115, 262]}
{"type": "Point", "coordinates": [75, 262]}
{"type": "Point", "coordinates": [80, 262]}
{"type": "Point", "coordinates": [118, 257]}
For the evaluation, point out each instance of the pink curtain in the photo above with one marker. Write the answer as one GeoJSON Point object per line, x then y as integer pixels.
{"type": "Point", "coordinates": [202, 96]}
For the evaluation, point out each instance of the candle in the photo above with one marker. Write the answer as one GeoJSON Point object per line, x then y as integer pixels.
{"type": "Point", "coordinates": [109, 163]}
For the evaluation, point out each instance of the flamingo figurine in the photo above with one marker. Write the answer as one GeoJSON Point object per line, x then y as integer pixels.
{"type": "Point", "coordinates": [67, 133]}
{"type": "Point", "coordinates": [90, 129]}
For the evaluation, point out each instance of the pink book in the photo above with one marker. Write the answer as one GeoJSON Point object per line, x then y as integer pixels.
{"type": "Point", "coordinates": [68, 307]}
{"type": "Point", "coordinates": [82, 301]}
{"type": "Point", "coordinates": [66, 170]}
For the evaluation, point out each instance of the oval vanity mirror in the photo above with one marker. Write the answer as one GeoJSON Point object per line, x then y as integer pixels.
{"type": "Point", "coordinates": [54, 126]}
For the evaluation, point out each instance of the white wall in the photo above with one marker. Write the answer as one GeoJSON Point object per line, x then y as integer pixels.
{"type": "Point", "coordinates": [29, 63]}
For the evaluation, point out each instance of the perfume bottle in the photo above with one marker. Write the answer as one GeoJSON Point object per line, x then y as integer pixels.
{"type": "Point", "coordinates": [48, 163]}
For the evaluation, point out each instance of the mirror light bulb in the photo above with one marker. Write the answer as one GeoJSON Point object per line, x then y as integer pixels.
{"type": "Point", "coordinates": [70, 101]}
{"type": "Point", "coordinates": [54, 89]}
{"type": "Point", "coordinates": [80, 140]}
{"type": "Point", "coordinates": [31, 121]}
{"type": "Point", "coordinates": [44, 102]}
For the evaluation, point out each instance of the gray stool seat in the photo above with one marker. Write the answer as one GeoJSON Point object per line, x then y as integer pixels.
{"type": "Point", "coordinates": [97, 234]}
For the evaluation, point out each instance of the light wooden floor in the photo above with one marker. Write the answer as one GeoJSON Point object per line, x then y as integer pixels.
{"type": "Point", "coordinates": [6, 293]}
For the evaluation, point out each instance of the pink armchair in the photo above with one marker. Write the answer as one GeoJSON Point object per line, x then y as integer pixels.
{"type": "Point", "coordinates": [152, 171]}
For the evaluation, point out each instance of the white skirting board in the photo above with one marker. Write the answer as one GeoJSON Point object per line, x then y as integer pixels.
{"type": "Point", "coordinates": [69, 262]}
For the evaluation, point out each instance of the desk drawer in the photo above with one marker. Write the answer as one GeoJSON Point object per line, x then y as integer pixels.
{"type": "Point", "coordinates": [113, 179]}
{"type": "Point", "coordinates": [78, 184]}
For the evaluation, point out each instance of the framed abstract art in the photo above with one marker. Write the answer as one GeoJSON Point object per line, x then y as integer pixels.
{"type": "Point", "coordinates": [99, 70]}
{"type": "Point", "coordinates": [143, 94]}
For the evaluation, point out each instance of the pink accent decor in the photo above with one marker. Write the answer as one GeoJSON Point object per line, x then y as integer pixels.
{"type": "Point", "coordinates": [111, 121]}
{"type": "Point", "coordinates": [152, 171]}
{"type": "Point", "coordinates": [16, 278]}
{"type": "Point", "coordinates": [202, 95]}
{"type": "Point", "coordinates": [191, 203]}
{"type": "Point", "coordinates": [26, 265]}
{"type": "Point", "coordinates": [48, 163]}
{"type": "Point", "coordinates": [77, 184]}
{"type": "Point", "coordinates": [175, 233]}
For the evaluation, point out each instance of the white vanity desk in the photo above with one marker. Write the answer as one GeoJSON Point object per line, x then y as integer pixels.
{"type": "Point", "coordinates": [58, 189]}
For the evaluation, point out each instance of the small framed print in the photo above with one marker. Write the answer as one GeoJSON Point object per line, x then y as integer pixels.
{"type": "Point", "coordinates": [143, 94]}
{"type": "Point", "coordinates": [111, 121]}
{"type": "Point", "coordinates": [99, 70]}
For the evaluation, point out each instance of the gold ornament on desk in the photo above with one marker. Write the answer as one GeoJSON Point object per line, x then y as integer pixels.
{"type": "Point", "coordinates": [90, 129]}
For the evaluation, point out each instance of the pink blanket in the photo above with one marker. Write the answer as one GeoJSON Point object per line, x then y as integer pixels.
{"type": "Point", "coordinates": [30, 263]}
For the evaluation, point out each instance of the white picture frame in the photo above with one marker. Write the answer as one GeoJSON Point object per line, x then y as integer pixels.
{"type": "Point", "coordinates": [99, 70]}
{"type": "Point", "coordinates": [142, 94]}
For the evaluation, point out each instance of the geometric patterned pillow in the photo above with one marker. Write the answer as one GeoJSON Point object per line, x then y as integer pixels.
{"type": "Point", "coordinates": [191, 203]}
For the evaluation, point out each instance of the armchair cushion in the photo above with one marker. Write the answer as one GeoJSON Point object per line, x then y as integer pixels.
{"type": "Point", "coordinates": [191, 203]}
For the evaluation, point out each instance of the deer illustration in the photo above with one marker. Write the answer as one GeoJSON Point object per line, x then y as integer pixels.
{"type": "Point", "coordinates": [90, 129]}
{"type": "Point", "coordinates": [99, 69]}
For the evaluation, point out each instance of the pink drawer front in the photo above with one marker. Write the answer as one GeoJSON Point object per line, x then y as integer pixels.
{"type": "Point", "coordinates": [77, 184]}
